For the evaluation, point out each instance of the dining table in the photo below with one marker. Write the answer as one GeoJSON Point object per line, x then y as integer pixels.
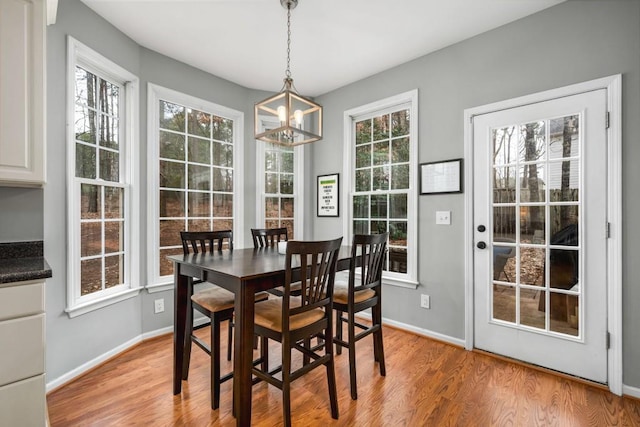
{"type": "Point", "coordinates": [243, 272]}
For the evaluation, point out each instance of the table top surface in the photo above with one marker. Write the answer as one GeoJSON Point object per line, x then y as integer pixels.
{"type": "Point", "coordinates": [245, 263]}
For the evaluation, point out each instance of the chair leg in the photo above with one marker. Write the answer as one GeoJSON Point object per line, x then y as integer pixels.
{"type": "Point", "coordinates": [286, 382]}
{"type": "Point", "coordinates": [306, 359]}
{"type": "Point", "coordinates": [230, 340]}
{"type": "Point", "coordinates": [264, 354]}
{"type": "Point", "coordinates": [215, 362]}
{"type": "Point", "coordinates": [338, 330]}
{"type": "Point", "coordinates": [187, 342]}
{"type": "Point", "coordinates": [352, 355]}
{"type": "Point", "coordinates": [378, 347]}
{"type": "Point", "coordinates": [331, 376]}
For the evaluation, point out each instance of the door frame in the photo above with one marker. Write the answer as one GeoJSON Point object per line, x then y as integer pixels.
{"type": "Point", "coordinates": [613, 86]}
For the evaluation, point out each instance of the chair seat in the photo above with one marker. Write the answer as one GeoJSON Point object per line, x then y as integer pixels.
{"type": "Point", "coordinates": [268, 314]}
{"type": "Point", "coordinates": [341, 293]}
{"type": "Point", "coordinates": [219, 299]}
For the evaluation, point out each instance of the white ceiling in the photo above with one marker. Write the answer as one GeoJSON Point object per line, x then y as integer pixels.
{"type": "Point", "coordinates": [334, 42]}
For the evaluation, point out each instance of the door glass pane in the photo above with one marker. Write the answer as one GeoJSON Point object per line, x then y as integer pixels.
{"type": "Point", "coordinates": [504, 263]}
{"type": "Point", "coordinates": [532, 224]}
{"type": "Point", "coordinates": [532, 183]}
{"type": "Point", "coordinates": [504, 145]}
{"type": "Point", "coordinates": [563, 271]}
{"type": "Point", "coordinates": [199, 150]}
{"type": "Point", "coordinates": [565, 314]}
{"type": "Point", "coordinates": [564, 181]}
{"type": "Point", "coordinates": [564, 225]}
{"type": "Point", "coordinates": [171, 203]}
{"type": "Point", "coordinates": [532, 144]}
{"type": "Point", "coordinates": [199, 203]}
{"type": "Point", "coordinates": [504, 185]}
{"type": "Point", "coordinates": [532, 266]}
{"type": "Point", "coordinates": [530, 314]}
{"type": "Point", "coordinates": [504, 303]}
{"type": "Point", "coordinates": [222, 205]}
{"type": "Point", "coordinates": [504, 222]}
{"type": "Point", "coordinates": [564, 137]}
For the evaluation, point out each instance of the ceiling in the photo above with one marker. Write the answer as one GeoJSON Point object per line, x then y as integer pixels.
{"type": "Point", "coordinates": [334, 42]}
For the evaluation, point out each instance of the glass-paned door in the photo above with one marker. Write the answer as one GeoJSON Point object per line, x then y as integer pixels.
{"type": "Point", "coordinates": [540, 192]}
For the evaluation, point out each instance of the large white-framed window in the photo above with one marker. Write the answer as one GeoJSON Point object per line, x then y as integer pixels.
{"type": "Point", "coordinates": [195, 175]}
{"type": "Point", "coordinates": [380, 164]}
{"type": "Point", "coordinates": [280, 186]}
{"type": "Point", "coordinates": [102, 182]}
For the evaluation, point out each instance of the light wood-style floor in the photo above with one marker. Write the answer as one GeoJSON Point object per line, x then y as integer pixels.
{"type": "Point", "coordinates": [428, 383]}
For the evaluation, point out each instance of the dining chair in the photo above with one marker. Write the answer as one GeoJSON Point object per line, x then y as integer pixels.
{"type": "Point", "coordinates": [270, 237]}
{"type": "Point", "coordinates": [293, 320]}
{"type": "Point", "coordinates": [216, 303]}
{"type": "Point", "coordinates": [368, 254]}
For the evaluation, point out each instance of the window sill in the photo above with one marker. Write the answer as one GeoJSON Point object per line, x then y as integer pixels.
{"type": "Point", "coordinates": [159, 287]}
{"type": "Point", "coordinates": [87, 307]}
{"type": "Point", "coordinates": [391, 281]}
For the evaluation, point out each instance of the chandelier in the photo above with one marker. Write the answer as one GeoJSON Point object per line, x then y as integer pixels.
{"type": "Point", "coordinates": [287, 118]}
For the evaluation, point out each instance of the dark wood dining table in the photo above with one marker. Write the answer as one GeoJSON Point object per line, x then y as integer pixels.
{"type": "Point", "coordinates": [243, 272]}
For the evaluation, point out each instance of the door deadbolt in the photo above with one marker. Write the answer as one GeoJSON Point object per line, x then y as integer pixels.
{"type": "Point", "coordinates": [481, 245]}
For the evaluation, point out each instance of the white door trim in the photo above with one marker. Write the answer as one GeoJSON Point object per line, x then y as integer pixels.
{"type": "Point", "coordinates": [613, 85]}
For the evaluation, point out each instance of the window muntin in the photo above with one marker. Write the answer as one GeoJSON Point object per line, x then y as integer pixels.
{"type": "Point", "coordinates": [381, 168]}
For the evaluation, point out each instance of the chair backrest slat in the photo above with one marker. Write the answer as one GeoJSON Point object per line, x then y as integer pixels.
{"type": "Point", "coordinates": [318, 262]}
{"type": "Point", "coordinates": [205, 241]}
{"type": "Point", "coordinates": [369, 252]}
{"type": "Point", "coordinates": [268, 237]}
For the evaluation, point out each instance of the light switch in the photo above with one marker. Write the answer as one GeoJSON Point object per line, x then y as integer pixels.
{"type": "Point", "coordinates": [443, 217]}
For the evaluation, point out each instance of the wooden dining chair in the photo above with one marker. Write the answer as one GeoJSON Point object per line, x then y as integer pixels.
{"type": "Point", "coordinates": [367, 255]}
{"type": "Point", "coordinates": [215, 303]}
{"type": "Point", "coordinates": [293, 320]}
{"type": "Point", "coordinates": [270, 237]}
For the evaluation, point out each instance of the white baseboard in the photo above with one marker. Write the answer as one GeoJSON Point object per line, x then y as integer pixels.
{"type": "Point", "coordinates": [75, 373]}
{"type": "Point", "coordinates": [627, 390]}
{"type": "Point", "coordinates": [420, 331]}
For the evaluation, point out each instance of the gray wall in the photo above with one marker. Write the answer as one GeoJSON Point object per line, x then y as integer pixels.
{"type": "Point", "coordinates": [569, 43]}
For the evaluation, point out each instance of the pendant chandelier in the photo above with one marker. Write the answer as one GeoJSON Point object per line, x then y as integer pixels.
{"type": "Point", "coordinates": [287, 118]}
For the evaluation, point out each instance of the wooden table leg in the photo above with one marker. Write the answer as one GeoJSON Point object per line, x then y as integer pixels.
{"type": "Point", "coordinates": [243, 357]}
{"type": "Point", "coordinates": [180, 295]}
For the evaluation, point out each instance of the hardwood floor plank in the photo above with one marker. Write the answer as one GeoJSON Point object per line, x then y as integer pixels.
{"type": "Point", "coordinates": [428, 383]}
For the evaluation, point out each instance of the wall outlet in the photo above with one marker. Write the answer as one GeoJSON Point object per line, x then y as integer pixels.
{"type": "Point", "coordinates": [425, 301]}
{"type": "Point", "coordinates": [443, 217]}
{"type": "Point", "coordinates": [158, 305]}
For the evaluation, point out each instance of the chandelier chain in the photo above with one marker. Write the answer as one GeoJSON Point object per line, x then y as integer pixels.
{"type": "Point", "coordinates": [288, 72]}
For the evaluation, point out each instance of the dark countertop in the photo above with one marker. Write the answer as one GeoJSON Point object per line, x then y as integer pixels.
{"type": "Point", "coordinates": [22, 261]}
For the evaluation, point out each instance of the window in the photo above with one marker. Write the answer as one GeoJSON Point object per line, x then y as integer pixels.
{"type": "Point", "coordinates": [279, 182]}
{"type": "Point", "coordinates": [381, 164]}
{"type": "Point", "coordinates": [102, 208]}
{"type": "Point", "coordinates": [195, 149]}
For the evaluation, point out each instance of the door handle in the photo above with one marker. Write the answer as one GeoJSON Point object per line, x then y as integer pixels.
{"type": "Point", "coordinates": [481, 228]}
{"type": "Point", "coordinates": [481, 245]}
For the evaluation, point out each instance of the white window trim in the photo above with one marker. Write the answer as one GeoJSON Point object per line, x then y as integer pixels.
{"type": "Point", "coordinates": [155, 93]}
{"type": "Point", "coordinates": [80, 54]}
{"type": "Point", "coordinates": [410, 280]}
{"type": "Point", "coordinates": [298, 192]}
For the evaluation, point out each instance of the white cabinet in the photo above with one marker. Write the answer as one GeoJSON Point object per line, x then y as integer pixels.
{"type": "Point", "coordinates": [22, 92]}
{"type": "Point", "coordinates": [22, 332]}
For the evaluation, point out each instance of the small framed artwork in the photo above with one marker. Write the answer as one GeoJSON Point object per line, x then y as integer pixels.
{"type": "Point", "coordinates": [441, 177]}
{"type": "Point", "coordinates": [329, 195]}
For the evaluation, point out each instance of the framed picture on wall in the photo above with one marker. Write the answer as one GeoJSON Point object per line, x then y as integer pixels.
{"type": "Point", "coordinates": [441, 177]}
{"type": "Point", "coordinates": [329, 195]}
